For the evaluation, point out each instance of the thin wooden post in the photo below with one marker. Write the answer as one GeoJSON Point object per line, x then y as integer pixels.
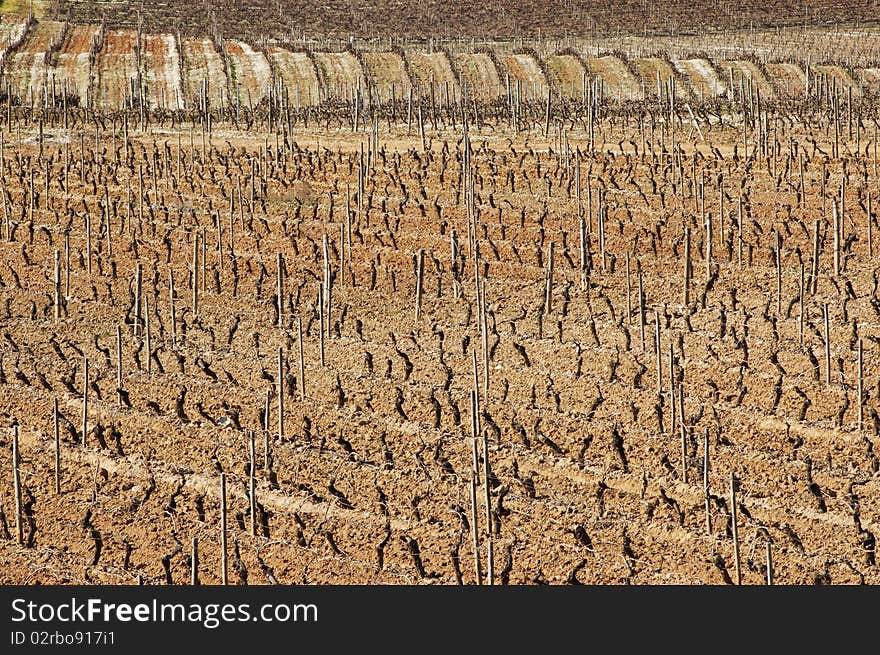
{"type": "Point", "coordinates": [172, 301]}
{"type": "Point", "coordinates": [706, 481]}
{"type": "Point", "coordinates": [280, 264]}
{"type": "Point", "coordinates": [57, 285]}
{"type": "Point", "coordinates": [801, 306]}
{"type": "Point", "coordinates": [474, 529]}
{"type": "Point", "coordinates": [672, 404]}
{"type": "Point", "coordinates": [708, 246]}
{"type": "Point", "coordinates": [548, 287]}
{"type": "Point", "coordinates": [861, 388]}
{"type": "Point", "coordinates": [328, 287]}
{"type": "Point", "coordinates": [194, 562]}
{"type": "Point", "coordinates": [224, 578]}
{"type": "Point", "coordinates": [342, 254]}
{"type": "Point", "coordinates": [66, 266]}
{"type": "Point", "coordinates": [657, 352]}
{"type": "Point", "coordinates": [836, 228]}
{"type": "Point", "coordinates": [684, 471]}
{"type": "Point", "coordinates": [138, 298]}
{"type": "Point", "coordinates": [118, 365]}
{"type": "Point", "coordinates": [734, 527]}
{"type": "Point", "coordinates": [89, 244]}
{"type": "Point", "coordinates": [420, 264]}
{"type": "Point", "coordinates": [739, 233]}
{"type": "Point", "coordinates": [85, 412]}
{"type": "Point", "coordinates": [252, 489]}
{"type": "Point", "coordinates": [149, 341]}
{"type": "Point", "coordinates": [280, 391]}
{"type": "Point", "coordinates": [16, 484]}
{"type": "Point", "coordinates": [484, 338]}
{"type": "Point", "coordinates": [826, 324]}
{"type": "Point", "coordinates": [203, 259]}
{"type": "Point", "coordinates": [641, 308]}
{"type": "Point", "coordinates": [814, 272]}
{"type": "Point", "coordinates": [57, 437]}
{"type": "Point", "coordinates": [267, 454]}
{"type": "Point", "coordinates": [778, 274]}
{"type": "Point", "coordinates": [195, 274]}
{"type": "Point", "coordinates": [490, 564]}
{"type": "Point", "coordinates": [769, 564]}
{"type": "Point", "coordinates": [321, 324]}
{"type": "Point", "coordinates": [302, 373]}
{"type": "Point", "coordinates": [687, 267]}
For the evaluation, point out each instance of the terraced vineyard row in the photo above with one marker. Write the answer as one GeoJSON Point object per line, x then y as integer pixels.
{"type": "Point", "coordinates": [112, 69]}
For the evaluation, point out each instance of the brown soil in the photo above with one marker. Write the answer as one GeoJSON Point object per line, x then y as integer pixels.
{"type": "Point", "coordinates": [369, 482]}
{"type": "Point", "coordinates": [116, 79]}
{"type": "Point", "coordinates": [445, 18]}
{"type": "Point", "coordinates": [387, 73]}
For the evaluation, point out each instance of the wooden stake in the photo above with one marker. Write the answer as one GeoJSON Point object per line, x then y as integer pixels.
{"type": "Point", "coordinates": [342, 254]}
{"type": "Point", "coordinates": [56, 433]}
{"type": "Point", "coordinates": [474, 530]}
{"type": "Point", "coordinates": [814, 272]}
{"type": "Point", "coordinates": [280, 264]}
{"type": "Point", "coordinates": [252, 490]}
{"type": "Point", "coordinates": [149, 342]}
{"type": "Point", "coordinates": [203, 259]}
{"type": "Point", "coordinates": [657, 352]}
{"type": "Point", "coordinates": [194, 562]}
{"type": "Point", "coordinates": [420, 264]}
{"type": "Point", "coordinates": [708, 246]}
{"type": "Point", "coordinates": [267, 454]}
{"type": "Point", "coordinates": [484, 335]}
{"type": "Point", "coordinates": [827, 335]}
{"type": "Point", "coordinates": [195, 274]}
{"type": "Point", "coordinates": [57, 285]}
{"type": "Point", "coordinates": [861, 388]}
{"type": "Point", "coordinates": [224, 578]}
{"type": "Point", "coordinates": [118, 365]}
{"type": "Point", "coordinates": [548, 286]}
{"type": "Point", "coordinates": [16, 484]}
{"type": "Point", "coordinates": [836, 227]}
{"type": "Point", "coordinates": [641, 308]}
{"type": "Point", "coordinates": [801, 307]}
{"type": "Point", "coordinates": [687, 267]}
{"type": "Point", "coordinates": [684, 471]}
{"type": "Point", "coordinates": [706, 481]}
{"type": "Point", "coordinates": [172, 303]}
{"type": "Point", "coordinates": [778, 274]}
{"type": "Point", "coordinates": [280, 391]}
{"type": "Point", "coordinates": [302, 373]}
{"type": "Point", "coordinates": [328, 288]}
{"type": "Point", "coordinates": [321, 323]}
{"type": "Point", "coordinates": [769, 565]}
{"type": "Point", "coordinates": [490, 564]}
{"type": "Point", "coordinates": [85, 413]}
{"type": "Point", "coordinates": [89, 244]}
{"type": "Point", "coordinates": [739, 233]}
{"type": "Point", "coordinates": [735, 529]}
{"type": "Point", "coordinates": [66, 267]}
{"type": "Point", "coordinates": [138, 298]}
{"type": "Point", "coordinates": [672, 403]}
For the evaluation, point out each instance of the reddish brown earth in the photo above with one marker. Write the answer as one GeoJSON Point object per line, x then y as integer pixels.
{"type": "Point", "coordinates": [370, 481]}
